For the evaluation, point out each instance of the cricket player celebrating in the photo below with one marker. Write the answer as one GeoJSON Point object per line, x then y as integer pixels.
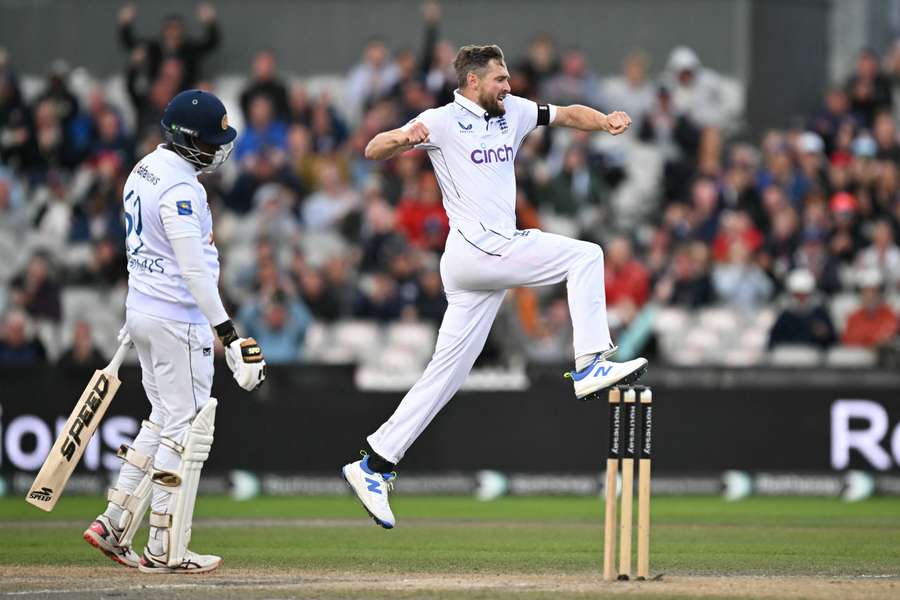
{"type": "Point", "coordinates": [173, 297]}
{"type": "Point", "coordinates": [472, 143]}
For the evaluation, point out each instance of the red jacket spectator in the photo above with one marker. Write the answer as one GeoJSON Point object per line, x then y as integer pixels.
{"type": "Point", "coordinates": [421, 217]}
{"type": "Point", "coordinates": [873, 323]}
{"type": "Point", "coordinates": [735, 226]}
{"type": "Point", "coordinates": [626, 278]}
{"type": "Point", "coordinates": [871, 327]}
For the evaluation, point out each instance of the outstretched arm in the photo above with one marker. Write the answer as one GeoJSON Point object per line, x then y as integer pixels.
{"type": "Point", "coordinates": [396, 141]}
{"type": "Point", "coordinates": [585, 118]}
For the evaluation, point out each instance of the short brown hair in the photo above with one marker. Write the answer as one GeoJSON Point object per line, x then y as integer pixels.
{"type": "Point", "coordinates": [475, 58]}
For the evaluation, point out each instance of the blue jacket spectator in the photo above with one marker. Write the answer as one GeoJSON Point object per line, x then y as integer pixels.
{"type": "Point", "coordinates": [279, 325]}
{"type": "Point", "coordinates": [263, 130]}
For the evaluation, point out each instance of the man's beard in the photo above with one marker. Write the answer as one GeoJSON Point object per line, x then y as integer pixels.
{"type": "Point", "coordinates": [491, 106]}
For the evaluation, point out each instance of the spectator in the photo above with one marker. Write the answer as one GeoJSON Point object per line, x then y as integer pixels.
{"type": "Point", "coordinates": [740, 282]}
{"type": "Point", "coordinates": [539, 65]}
{"type": "Point", "coordinates": [333, 201]}
{"type": "Point", "coordinates": [834, 114]}
{"type": "Point", "coordinates": [328, 130]}
{"type": "Point", "coordinates": [172, 42]}
{"type": "Point", "coordinates": [845, 238]}
{"type": "Point", "coordinates": [696, 91]}
{"type": "Point", "coordinates": [57, 91]}
{"type": "Point", "coordinates": [436, 61]}
{"type": "Point", "coordinates": [36, 291]}
{"type": "Point", "coordinates": [150, 96]}
{"type": "Point", "coordinates": [83, 353]}
{"type": "Point", "coordinates": [264, 131]}
{"type": "Point", "coordinates": [574, 191]}
{"type": "Point", "coordinates": [279, 324]}
{"type": "Point", "coordinates": [421, 217]}
{"type": "Point", "coordinates": [267, 167]}
{"type": "Point", "coordinates": [735, 225]}
{"type": "Point", "coordinates": [319, 297]}
{"type": "Point", "coordinates": [15, 121]}
{"type": "Point", "coordinates": [17, 346]}
{"type": "Point", "coordinates": [49, 147]}
{"type": "Point", "coordinates": [110, 138]}
{"type": "Point", "coordinates": [738, 187]}
{"type": "Point", "coordinates": [687, 282]}
{"type": "Point", "coordinates": [874, 323]}
{"type": "Point", "coordinates": [885, 133]}
{"type": "Point", "coordinates": [575, 84]}
{"type": "Point", "coordinates": [883, 254]}
{"type": "Point", "coordinates": [431, 303]}
{"type": "Point", "coordinates": [631, 91]}
{"type": "Point", "coordinates": [678, 141]}
{"type": "Point", "coordinates": [705, 210]}
{"type": "Point", "coordinates": [106, 269]}
{"type": "Point", "coordinates": [373, 77]}
{"type": "Point", "coordinates": [97, 213]}
{"type": "Point", "coordinates": [804, 320]}
{"type": "Point", "coordinates": [868, 89]}
{"type": "Point", "coordinates": [264, 81]}
{"type": "Point", "coordinates": [627, 281]}
{"type": "Point", "coordinates": [13, 225]}
{"type": "Point", "coordinates": [378, 299]}
{"type": "Point", "coordinates": [812, 255]}
{"type": "Point", "coordinates": [781, 243]}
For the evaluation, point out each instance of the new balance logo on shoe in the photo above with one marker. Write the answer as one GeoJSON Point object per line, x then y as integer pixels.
{"type": "Point", "coordinates": [374, 485]}
{"type": "Point", "coordinates": [603, 371]}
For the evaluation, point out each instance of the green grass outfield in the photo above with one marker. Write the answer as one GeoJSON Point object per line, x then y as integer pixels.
{"type": "Point", "coordinates": [770, 537]}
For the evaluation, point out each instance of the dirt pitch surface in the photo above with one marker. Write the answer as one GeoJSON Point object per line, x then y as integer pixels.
{"type": "Point", "coordinates": [120, 583]}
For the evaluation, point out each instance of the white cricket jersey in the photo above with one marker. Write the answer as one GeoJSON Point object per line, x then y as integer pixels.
{"type": "Point", "coordinates": [473, 157]}
{"type": "Point", "coordinates": [163, 187]}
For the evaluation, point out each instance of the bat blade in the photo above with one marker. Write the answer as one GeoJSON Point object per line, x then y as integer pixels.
{"type": "Point", "coordinates": [72, 441]}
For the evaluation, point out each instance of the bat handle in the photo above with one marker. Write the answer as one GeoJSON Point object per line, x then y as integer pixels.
{"type": "Point", "coordinates": [113, 367]}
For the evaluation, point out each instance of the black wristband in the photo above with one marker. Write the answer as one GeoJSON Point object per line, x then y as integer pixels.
{"type": "Point", "coordinates": [226, 332]}
{"type": "Point", "coordinates": [543, 117]}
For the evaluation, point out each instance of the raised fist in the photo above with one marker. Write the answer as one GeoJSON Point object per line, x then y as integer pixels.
{"type": "Point", "coordinates": [617, 122]}
{"type": "Point", "coordinates": [416, 133]}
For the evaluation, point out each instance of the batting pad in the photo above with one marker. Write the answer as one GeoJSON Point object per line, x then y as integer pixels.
{"type": "Point", "coordinates": [182, 485]}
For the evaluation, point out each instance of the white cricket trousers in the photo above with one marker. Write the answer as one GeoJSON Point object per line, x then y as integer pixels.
{"type": "Point", "coordinates": [177, 373]}
{"type": "Point", "coordinates": [478, 266]}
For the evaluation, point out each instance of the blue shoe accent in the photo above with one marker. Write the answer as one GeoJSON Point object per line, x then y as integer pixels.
{"type": "Point", "coordinates": [374, 484]}
{"type": "Point", "coordinates": [585, 372]}
{"type": "Point", "coordinates": [364, 465]}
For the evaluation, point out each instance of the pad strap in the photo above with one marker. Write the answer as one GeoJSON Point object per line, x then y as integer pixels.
{"type": "Point", "coordinates": [135, 457]}
{"type": "Point", "coordinates": [151, 426]}
{"type": "Point", "coordinates": [161, 520]}
{"type": "Point", "coordinates": [129, 502]}
{"type": "Point", "coordinates": [172, 444]}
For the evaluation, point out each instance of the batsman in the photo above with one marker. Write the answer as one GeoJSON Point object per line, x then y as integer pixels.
{"type": "Point", "coordinates": [173, 299]}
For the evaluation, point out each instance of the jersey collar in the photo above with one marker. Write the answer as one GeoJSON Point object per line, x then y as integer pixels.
{"type": "Point", "coordinates": [470, 106]}
{"type": "Point", "coordinates": [176, 161]}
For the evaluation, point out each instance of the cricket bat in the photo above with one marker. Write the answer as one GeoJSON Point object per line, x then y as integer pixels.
{"type": "Point", "coordinates": [73, 439]}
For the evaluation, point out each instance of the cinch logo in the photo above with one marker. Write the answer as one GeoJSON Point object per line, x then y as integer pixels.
{"type": "Point", "coordinates": [492, 155]}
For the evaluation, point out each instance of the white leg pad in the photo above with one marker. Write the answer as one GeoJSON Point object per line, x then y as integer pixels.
{"type": "Point", "coordinates": [182, 486]}
{"type": "Point", "coordinates": [134, 504]}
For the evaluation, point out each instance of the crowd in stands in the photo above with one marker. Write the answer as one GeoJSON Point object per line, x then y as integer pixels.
{"type": "Point", "coordinates": [309, 231]}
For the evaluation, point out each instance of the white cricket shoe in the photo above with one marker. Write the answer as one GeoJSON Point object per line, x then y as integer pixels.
{"type": "Point", "coordinates": [372, 490]}
{"type": "Point", "coordinates": [104, 537]}
{"type": "Point", "coordinates": [603, 374]}
{"type": "Point", "coordinates": [192, 563]}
